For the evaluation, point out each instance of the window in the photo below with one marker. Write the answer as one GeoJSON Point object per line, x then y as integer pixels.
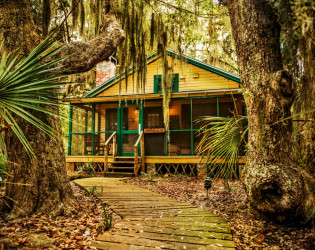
{"type": "Point", "coordinates": [158, 83]}
{"type": "Point", "coordinates": [153, 117]}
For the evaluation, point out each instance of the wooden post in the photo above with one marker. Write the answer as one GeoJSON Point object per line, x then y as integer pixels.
{"type": "Point", "coordinates": [106, 149]}
{"type": "Point", "coordinates": [105, 157]}
{"type": "Point", "coordinates": [114, 147]}
{"type": "Point", "coordinates": [136, 160]}
{"type": "Point", "coordinates": [142, 153]}
{"type": "Point", "coordinates": [137, 165]}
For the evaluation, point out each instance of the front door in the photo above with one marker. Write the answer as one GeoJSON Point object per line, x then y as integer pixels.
{"type": "Point", "coordinates": [128, 116]}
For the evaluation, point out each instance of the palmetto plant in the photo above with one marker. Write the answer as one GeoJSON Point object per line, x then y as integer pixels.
{"type": "Point", "coordinates": [27, 87]}
{"type": "Point", "coordinates": [223, 141]}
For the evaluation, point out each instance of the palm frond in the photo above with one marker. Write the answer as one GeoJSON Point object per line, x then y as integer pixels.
{"type": "Point", "coordinates": [221, 144]}
{"type": "Point", "coordinates": [29, 88]}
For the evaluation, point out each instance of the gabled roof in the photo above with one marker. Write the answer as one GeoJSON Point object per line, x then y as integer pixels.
{"type": "Point", "coordinates": [152, 58]}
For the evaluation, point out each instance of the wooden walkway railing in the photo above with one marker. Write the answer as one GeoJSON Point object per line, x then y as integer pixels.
{"type": "Point", "coordinates": [142, 156]}
{"type": "Point", "coordinates": [107, 148]}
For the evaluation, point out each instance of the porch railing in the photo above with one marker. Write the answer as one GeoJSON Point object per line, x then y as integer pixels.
{"type": "Point", "coordinates": [142, 155]}
{"type": "Point", "coordinates": [107, 148]}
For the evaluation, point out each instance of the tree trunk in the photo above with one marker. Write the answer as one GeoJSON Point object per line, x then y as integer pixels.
{"type": "Point", "coordinates": [40, 185]}
{"type": "Point", "coordinates": [37, 185]}
{"type": "Point", "coordinates": [17, 28]}
{"type": "Point", "coordinates": [305, 91]}
{"type": "Point", "coordinates": [273, 183]}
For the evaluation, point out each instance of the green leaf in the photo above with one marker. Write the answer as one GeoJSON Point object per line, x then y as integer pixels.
{"type": "Point", "coordinates": [28, 86]}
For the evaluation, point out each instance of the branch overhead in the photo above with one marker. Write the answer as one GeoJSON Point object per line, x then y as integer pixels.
{"type": "Point", "coordinates": [85, 55]}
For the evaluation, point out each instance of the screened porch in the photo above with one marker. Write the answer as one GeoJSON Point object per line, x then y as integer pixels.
{"type": "Point", "coordinates": [92, 124]}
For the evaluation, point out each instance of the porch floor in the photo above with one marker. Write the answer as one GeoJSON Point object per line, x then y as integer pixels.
{"type": "Point", "coordinates": [153, 221]}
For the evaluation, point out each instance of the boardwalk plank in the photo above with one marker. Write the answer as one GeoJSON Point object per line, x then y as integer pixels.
{"type": "Point", "coordinates": [175, 238]}
{"type": "Point", "coordinates": [153, 221]}
{"type": "Point", "coordinates": [176, 231]}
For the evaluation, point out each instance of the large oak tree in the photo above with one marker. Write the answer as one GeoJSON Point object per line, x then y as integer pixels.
{"type": "Point", "coordinates": [45, 185]}
{"type": "Point", "coordinates": [274, 182]}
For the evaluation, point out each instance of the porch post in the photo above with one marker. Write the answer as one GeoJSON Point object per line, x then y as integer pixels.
{"type": "Point", "coordinates": [93, 127]}
{"type": "Point", "coordinates": [141, 115]}
{"type": "Point", "coordinates": [119, 125]}
{"type": "Point", "coordinates": [70, 129]}
{"type": "Point", "coordinates": [191, 130]}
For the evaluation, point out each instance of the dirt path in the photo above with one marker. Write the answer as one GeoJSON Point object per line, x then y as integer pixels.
{"type": "Point", "coordinates": [151, 220]}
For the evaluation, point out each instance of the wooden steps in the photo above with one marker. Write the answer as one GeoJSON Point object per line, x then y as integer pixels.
{"type": "Point", "coordinates": [118, 174]}
{"type": "Point", "coordinates": [122, 166]}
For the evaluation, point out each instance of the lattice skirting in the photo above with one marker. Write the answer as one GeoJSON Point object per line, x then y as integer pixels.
{"type": "Point", "coordinates": [177, 168]}
{"type": "Point", "coordinates": [89, 166]}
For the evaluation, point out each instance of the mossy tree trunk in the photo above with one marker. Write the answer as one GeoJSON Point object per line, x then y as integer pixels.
{"type": "Point", "coordinates": [40, 185]}
{"type": "Point", "coordinates": [273, 182]}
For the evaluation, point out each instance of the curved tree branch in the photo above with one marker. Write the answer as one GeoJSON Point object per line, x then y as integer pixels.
{"type": "Point", "coordinates": [85, 55]}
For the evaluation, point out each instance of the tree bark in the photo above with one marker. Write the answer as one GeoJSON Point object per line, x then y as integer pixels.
{"type": "Point", "coordinates": [273, 183]}
{"type": "Point", "coordinates": [17, 27]}
{"type": "Point", "coordinates": [37, 185]}
{"type": "Point", "coordinates": [84, 56]}
{"type": "Point", "coordinates": [40, 185]}
{"type": "Point", "coordinates": [305, 91]}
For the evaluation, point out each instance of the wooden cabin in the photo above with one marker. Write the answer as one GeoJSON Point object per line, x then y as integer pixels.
{"type": "Point", "coordinates": [119, 129]}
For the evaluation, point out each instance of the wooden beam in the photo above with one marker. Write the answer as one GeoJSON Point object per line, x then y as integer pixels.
{"type": "Point", "coordinates": [152, 96]}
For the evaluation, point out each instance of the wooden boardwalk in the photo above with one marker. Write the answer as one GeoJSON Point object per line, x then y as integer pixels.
{"type": "Point", "coordinates": [152, 221]}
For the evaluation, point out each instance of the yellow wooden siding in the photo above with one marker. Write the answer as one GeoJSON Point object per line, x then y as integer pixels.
{"type": "Point", "coordinates": [191, 78]}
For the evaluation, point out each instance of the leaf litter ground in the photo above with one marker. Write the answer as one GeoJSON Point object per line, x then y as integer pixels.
{"type": "Point", "coordinates": [248, 231]}
{"type": "Point", "coordinates": [80, 230]}
{"type": "Point", "coordinates": [76, 231]}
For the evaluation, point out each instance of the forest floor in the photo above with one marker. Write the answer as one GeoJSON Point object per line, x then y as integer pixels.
{"type": "Point", "coordinates": [248, 231]}
{"type": "Point", "coordinates": [80, 230]}
{"type": "Point", "coordinates": [77, 231]}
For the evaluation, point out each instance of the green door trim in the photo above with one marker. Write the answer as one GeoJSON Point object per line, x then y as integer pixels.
{"type": "Point", "coordinates": [121, 131]}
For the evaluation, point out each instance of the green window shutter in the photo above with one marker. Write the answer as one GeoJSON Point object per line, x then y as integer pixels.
{"type": "Point", "coordinates": [175, 83]}
{"type": "Point", "coordinates": [159, 77]}
{"type": "Point", "coordinates": [156, 83]}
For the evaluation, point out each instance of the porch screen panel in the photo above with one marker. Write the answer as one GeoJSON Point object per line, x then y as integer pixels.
{"type": "Point", "coordinates": [105, 119]}
{"type": "Point", "coordinates": [153, 117]}
{"type": "Point", "coordinates": [111, 119]}
{"type": "Point", "coordinates": [196, 139]}
{"type": "Point", "coordinates": [180, 143]}
{"type": "Point", "coordinates": [100, 112]}
{"type": "Point", "coordinates": [99, 143]}
{"type": "Point", "coordinates": [81, 144]}
{"type": "Point", "coordinates": [154, 144]}
{"type": "Point", "coordinates": [131, 117]}
{"type": "Point", "coordinates": [82, 118]}
{"type": "Point", "coordinates": [202, 108]}
{"type": "Point", "coordinates": [154, 132]}
{"type": "Point", "coordinates": [179, 128]}
{"type": "Point", "coordinates": [180, 115]}
{"type": "Point", "coordinates": [129, 141]}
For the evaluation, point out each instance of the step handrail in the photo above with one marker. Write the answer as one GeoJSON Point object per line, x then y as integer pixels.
{"type": "Point", "coordinates": [137, 164]}
{"type": "Point", "coordinates": [106, 149]}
